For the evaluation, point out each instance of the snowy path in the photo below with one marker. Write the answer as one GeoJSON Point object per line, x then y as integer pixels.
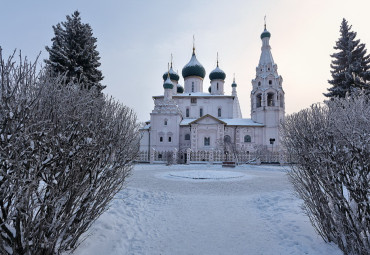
{"type": "Point", "coordinates": [162, 214]}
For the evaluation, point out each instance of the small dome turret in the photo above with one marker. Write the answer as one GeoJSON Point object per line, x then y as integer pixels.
{"type": "Point", "coordinates": [173, 75]}
{"type": "Point", "coordinates": [234, 85]}
{"type": "Point", "coordinates": [217, 74]}
{"type": "Point", "coordinates": [193, 68]}
{"type": "Point", "coordinates": [180, 89]}
{"type": "Point", "coordinates": [168, 83]}
{"type": "Point", "coordinates": [265, 33]}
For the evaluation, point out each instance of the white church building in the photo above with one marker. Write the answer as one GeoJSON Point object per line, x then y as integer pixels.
{"type": "Point", "coordinates": [197, 123]}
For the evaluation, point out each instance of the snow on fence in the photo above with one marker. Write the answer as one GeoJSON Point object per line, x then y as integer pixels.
{"type": "Point", "coordinates": [218, 156]}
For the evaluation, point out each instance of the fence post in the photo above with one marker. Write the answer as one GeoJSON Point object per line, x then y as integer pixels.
{"type": "Point", "coordinates": [188, 150]}
{"type": "Point", "coordinates": [152, 151]}
{"type": "Point", "coordinates": [174, 156]}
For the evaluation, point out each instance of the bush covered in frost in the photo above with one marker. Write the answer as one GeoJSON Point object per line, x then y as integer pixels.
{"type": "Point", "coordinates": [330, 144]}
{"type": "Point", "coordinates": [64, 154]}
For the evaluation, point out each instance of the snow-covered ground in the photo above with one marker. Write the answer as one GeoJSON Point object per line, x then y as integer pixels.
{"type": "Point", "coordinates": [180, 210]}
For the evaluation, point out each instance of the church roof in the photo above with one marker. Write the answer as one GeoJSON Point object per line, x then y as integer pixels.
{"type": "Point", "coordinates": [197, 94]}
{"type": "Point", "coordinates": [173, 75]}
{"type": "Point", "coordinates": [204, 117]}
{"type": "Point", "coordinates": [217, 74]}
{"type": "Point", "coordinates": [266, 56]}
{"type": "Point", "coordinates": [193, 68]}
{"type": "Point", "coordinates": [228, 122]}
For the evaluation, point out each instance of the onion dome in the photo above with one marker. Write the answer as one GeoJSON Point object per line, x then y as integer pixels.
{"type": "Point", "coordinates": [234, 84]}
{"type": "Point", "coordinates": [173, 75]}
{"type": "Point", "coordinates": [217, 74]}
{"type": "Point", "coordinates": [168, 83]}
{"type": "Point", "coordinates": [265, 33]}
{"type": "Point", "coordinates": [193, 68]}
{"type": "Point", "coordinates": [210, 89]}
{"type": "Point", "coordinates": [180, 89]}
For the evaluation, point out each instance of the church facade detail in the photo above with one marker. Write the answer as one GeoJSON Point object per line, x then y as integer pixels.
{"type": "Point", "coordinates": [186, 119]}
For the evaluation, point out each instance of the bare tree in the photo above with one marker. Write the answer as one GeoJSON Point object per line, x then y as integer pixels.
{"type": "Point", "coordinates": [331, 146]}
{"type": "Point", "coordinates": [64, 155]}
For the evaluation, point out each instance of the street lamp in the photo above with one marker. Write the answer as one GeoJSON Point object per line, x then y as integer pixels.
{"type": "Point", "coordinates": [272, 140]}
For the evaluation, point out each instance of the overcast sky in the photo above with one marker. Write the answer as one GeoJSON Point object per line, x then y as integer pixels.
{"type": "Point", "coordinates": [136, 39]}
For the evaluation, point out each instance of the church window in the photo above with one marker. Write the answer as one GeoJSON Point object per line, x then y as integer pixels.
{"type": "Point", "coordinates": [270, 82]}
{"type": "Point", "coordinates": [200, 112]}
{"type": "Point", "coordinates": [270, 99]}
{"type": "Point", "coordinates": [217, 85]}
{"type": "Point", "coordinates": [259, 83]}
{"type": "Point", "coordinates": [193, 100]}
{"type": "Point", "coordinates": [192, 87]}
{"type": "Point", "coordinates": [247, 139]}
{"type": "Point", "coordinates": [165, 122]}
{"type": "Point", "coordinates": [227, 139]}
{"type": "Point", "coordinates": [187, 137]}
{"type": "Point", "coordinates": [161, 138]}
{"type": "Point", "coordinates": [281, 101]}
{"type": "Point", "coordinates": [169, 139]}
{"type": "Point", "coordinates": [268, 68]}
{"type": "Point", "coordinates": [219, 112]}
{"type": "Point", "coordinates": [207, 141]}
{"type": "Point", "coordinates": [187, 112]}
{"type": "Point", "coordinates": [258, 100]}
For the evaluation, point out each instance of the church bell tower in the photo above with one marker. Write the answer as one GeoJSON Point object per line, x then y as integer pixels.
{"type": "Point", "coordinates": [267, 96]}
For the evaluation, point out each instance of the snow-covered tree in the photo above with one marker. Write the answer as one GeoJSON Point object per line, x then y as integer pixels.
{"type": "Point", "coordinates": [64, 154]}
{"type": "Point", "coordinates": [73, 53]}
{"type": "Point", "coordinates": [330, 146]}
{"type": "Point", "coordinates": [350, 65]}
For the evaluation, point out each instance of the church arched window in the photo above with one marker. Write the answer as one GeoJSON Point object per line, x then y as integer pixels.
{"type": "Point", "coordinates": [227, 139]}
{"type": "Point", "coordinates": [219, 112]}
{"type": "Point", "coordinates": [200, 112]}
{"type": "Point", "coordinates": [187, 137]}
{"type": "Point", "coordinates": [207, 141]}
{"type": "Point", "coordinates": [187, 112]}
{"type": "Point", "coordinates": [217, 85]}
{"type": "Point", "coordinates": [281, 101]}
{"type": "Point", "coordinates": [259, 83]}
{"type": "Point", "coordinates": [165, 122]}
{"type": "Point", "coordinates": [270, 82]}
{"type": "Point", "coordinates": [259, 100]}
{"type": "Point", "coordinates": [192, 86]}
{"type": "Point", "coordinates": [270, 99]}
{"type": "Point", "coordinates": [247, 139]}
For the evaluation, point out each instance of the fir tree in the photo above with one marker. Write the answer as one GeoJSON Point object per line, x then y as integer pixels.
{"type": "Point", "coordinates": [350, 66]}
{"type": "Point", "coordinates": [74, 53]}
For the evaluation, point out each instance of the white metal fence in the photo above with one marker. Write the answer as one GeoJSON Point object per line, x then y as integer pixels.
{"type": "Point", "coordinates": [188, 156]}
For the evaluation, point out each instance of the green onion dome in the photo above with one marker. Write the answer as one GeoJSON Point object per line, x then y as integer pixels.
{"type": "Point", "coordinates": [180, 89]}
{"type": "Point", "coordinates": [265, 33]}
{"type": "Point", "coordinates": [209, 89]}
{"type": "Point", "coordinates": [234, 84]}
{"type": "Point", "coordinates": [168, 84]}
{"type": "Point", "coordinates": [173, 75]}
{"type": "Point", "coordinates": [193, 68]}
{"type": "Point", "coordinates": [217, 74]}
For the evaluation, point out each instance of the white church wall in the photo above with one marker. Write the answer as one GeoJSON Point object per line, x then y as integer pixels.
{"type": "Point", "coordinates": [193, 84]}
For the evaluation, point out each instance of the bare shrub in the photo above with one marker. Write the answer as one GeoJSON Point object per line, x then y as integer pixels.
{"type": "Point", "coordinates": [331, 146]}
{"type": "Point", "coordinates": [64, 155]}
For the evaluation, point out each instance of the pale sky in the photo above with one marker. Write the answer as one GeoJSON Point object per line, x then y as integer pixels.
{"type": "Point", "coordinates": [136, 39]}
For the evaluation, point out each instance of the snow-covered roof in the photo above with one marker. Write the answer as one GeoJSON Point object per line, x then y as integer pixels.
{"type": "Point", "coordinates": [146, 127]}
{"type": "Point", "coordinates": [229, 122]}
{"type": "Point", "coordinates": [241, 122]}
{"type": "Point", "coordinates": [196, 94]}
